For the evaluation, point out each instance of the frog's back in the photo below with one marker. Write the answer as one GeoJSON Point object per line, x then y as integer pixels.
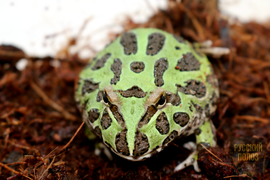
{"type": "Point", "coordinates": [137, 72]}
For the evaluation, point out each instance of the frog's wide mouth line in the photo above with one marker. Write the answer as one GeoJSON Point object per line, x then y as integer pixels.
{"type": "Point", "coordinates": [139, 158]}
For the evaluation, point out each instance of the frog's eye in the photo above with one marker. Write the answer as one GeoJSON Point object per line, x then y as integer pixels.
{"type": "Point", "coordinates": [105, 98]}
{"type": "Point", "coordinates": [162, 101]}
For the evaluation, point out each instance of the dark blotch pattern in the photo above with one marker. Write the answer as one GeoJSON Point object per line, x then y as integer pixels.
{"type": "Point", "coordinates": [133, 91]}
{"type": "Point", "coordinates": [188, 63]}
{"type": "Point", "coordinates": [172, 98]}
{"type": "Point", "coordinates": [171, 137]}
{"type": "Point", "coordinates": [137, 66]}
{"type": "Point", "coordinates": [89, 86]}
{"type": "Point", "coordinates": [151, 110]}
{"type": "Point", "coordinates": [198, 108]}
{"type": "Point", "coordinates": [129, 42]}
{"type": "Point", "coordinates": [99, 96]}
{"type": "Point", "coordinates": [121, 143]}
{"type": "Point", "coordinates": [155, 43]}
{"type": "Point", "coordinates": [98, 131]}
{"type": "Point", "coordinates": [106, 120]}
{"type": "Point", "coordinates": [162, 124]}
{"type": "Point", "coordinates": [179, 39]}
{"type": "Point", "coordinates": [141, 144]}
{"type": "Point", "coordinates": [93, 115]}
{"type": "Point", "coordinates": [116, 67]}
{"type": "Point", "coordinates": [100, 62]}
{"type": "Point", "coordinates": [160, 67]}
{"type": "Point", "coordinates": [193, 87]}
{"type": "Point", "coordinates": [117, 116]}
{"type": "Point", "coordinates": [181, 118]}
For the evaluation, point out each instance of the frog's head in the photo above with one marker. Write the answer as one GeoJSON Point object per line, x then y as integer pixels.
{"type": "Point", "coordinates": [133, 123]}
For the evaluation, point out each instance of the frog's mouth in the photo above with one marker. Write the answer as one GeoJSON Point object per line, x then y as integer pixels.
{"type": "Point", "coordinates": [140, 158]}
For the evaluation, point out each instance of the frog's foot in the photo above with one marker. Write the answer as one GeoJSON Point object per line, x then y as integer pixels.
{"type": "Point", "coordinates": [191, 160]}
{"type": "Point", "coordinates": [205, 136]}
{"type": "Point", "coordinates": [206, 48]}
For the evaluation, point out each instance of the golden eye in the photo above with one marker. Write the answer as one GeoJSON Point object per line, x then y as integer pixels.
{"type": "Point", "coordinates": [161, 102]}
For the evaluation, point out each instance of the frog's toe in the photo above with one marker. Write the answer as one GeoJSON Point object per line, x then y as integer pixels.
{"type": "Point", "coordinates": [190, 146]}
{"type": "Point", "coordinates": [191, 160]}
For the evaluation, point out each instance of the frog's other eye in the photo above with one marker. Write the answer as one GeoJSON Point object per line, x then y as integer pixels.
{"type": "Point", "coordinates": [161, 102]}
{"type": "Point", "coordinates": [105, 99]}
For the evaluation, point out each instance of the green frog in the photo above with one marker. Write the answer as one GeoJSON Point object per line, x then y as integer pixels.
{"type": "Point", "coordinates": [146, 89]}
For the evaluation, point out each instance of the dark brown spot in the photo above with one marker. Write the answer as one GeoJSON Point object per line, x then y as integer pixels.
{"type": "Point", "coordinates": [160, 67]}
{"type": "Point", "coordinates": [137, 66]}
{"type": "Point", "coordinates": [99, 96]}
{"type": "Point", "coordinates": [100, 62]}
{"type": "Point", "coordinates": [133, 91]}
{"type": "Point", "coordinates": [188, 63]}
{"type": "Point", "coordinates": [151, 110]}
{"type": "Point", "coordinates": [118, 116]}
{"type": "Point", "coordinates": [116, 67]}
{"type": "Point", "coordinates": [190, 108]}
{"type": "Point", "coordinates": [162, 124]}
{"type": "Point", "coordinates": [198, 108]}
{"type": "Point", "coordinates": [89, 86]}
{"type": "Point", "coordinates": [197, 131]}
{"type": "Point", "coordinates": [121, 143]}
{"type": "Point", "coordinates": [193, 87]}
{"type": "Point", "coordinates": [129, 43]}
{"type": "Point", "coordinates": [141, 144]}
{"type": "Point", "coordinates": [179, 39]}
{"type": "Point", "coordinates": [93, 115]}
{"type": "Point", "coordinates": [98, 131]}
{"type": "Point", "coordinates": [172, 98]}
{"type": "Point", "coordinates": [177, 48]}
{"type": "Point", "coordinates": [106, 120]}
{"type": "Point", "coordinates": [155, 43]}
{"type": "Point", "coordinates": [181, 118]}
{"type": "Point", "coordinates": [171, 137]}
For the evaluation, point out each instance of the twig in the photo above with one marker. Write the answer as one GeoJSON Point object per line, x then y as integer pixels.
{"type": "Point", "coordinates": [240, 175]}
{"type": "Point", "coordinates": [253, 118]}
{"type": "Point", "coordinates": [12, 170]}
{"type": "Point", "coordinates": [48, 101]}
{"type": "Point", "coordinates": [211, 153]}
{"type": "Point", "coordinates": [47, 168]}
{"type": "Point", "coordinates": [73, 136]}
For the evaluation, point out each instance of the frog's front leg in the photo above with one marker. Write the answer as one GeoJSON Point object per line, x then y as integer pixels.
{"type": "Point", "coordinates": [205, 135]}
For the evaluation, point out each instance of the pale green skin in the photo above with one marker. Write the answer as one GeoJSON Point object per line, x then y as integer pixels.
{"type": "Point", "coordinates": [132, 108]}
